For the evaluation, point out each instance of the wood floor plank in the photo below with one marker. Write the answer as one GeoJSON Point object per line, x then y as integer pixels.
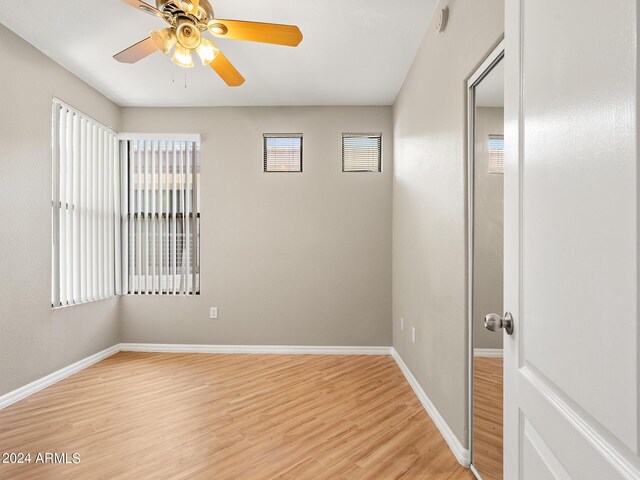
{"type": "Point", "coordinates": [246, 417]}
{"type": "Point", "coordinates": [487, 417]}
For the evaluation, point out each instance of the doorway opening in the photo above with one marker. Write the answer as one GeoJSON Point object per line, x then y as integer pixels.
{"type": "Point", "coordinates": [485, 263]}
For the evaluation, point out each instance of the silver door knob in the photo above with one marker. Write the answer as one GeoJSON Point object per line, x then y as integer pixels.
{"type": "Point", "coordinates": [495, 322]}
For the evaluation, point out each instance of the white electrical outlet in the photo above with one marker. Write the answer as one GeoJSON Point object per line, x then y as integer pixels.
{"type": "Point", "coordinates": [413, 334]}
{"type": "Point", "coordinates": [401, 323]}
{"type": "Point", "coordinates": [213, 312]}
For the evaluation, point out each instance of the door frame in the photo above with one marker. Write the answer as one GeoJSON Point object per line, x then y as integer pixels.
{"type": "Point", "coordinates": [496, 55]}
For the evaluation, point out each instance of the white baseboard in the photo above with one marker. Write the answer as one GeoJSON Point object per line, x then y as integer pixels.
{"type": "Point", "coordinates": [255, 349]}
{"type": "Point", "coordinates": [37, 385]}
{"type": "Point", "coordinates": [461, 453]}
{"type": "Point", "coordinates": [487, 352]}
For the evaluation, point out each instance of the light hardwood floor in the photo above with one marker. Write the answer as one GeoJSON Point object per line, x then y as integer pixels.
{"type": "Point", "coordinates": [487, 417]}
{"type": "Point", "coordinates": [200, 416]}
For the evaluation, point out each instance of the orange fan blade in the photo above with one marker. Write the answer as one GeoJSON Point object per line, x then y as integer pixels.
{"type": "Point", "coordinates": [288, 35]}
{"type": "Point", "coordinates": [144, 7]}
{"type": "Point", "coordinates": [226, 70]}
{"type": "Point", "coordinates": [137, 51]}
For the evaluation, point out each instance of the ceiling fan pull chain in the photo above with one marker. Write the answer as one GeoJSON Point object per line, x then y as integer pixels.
{"type": "Point", "coordinates": [185, 78]}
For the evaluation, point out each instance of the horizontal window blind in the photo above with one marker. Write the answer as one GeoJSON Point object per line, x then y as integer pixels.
{"type": "Point", "coordinates": [282, 152]}
{"type": "Point", "coordinates": [361, 152]}
{"type": "Point", "coordinates": [496, 153]}
{"type": "Point", "coordinates": [163, 217]}
{"type": "Point", "coordinates": [85, 209]}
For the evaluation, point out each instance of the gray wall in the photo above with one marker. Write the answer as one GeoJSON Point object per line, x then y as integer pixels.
{"type": "Point", "coordinates": [34, 339]}
{"type": "Point", "coordinates": [429, 198]}
{"type": "Point", "coordinates": [300, 259]}
{"type": "Point", "coordinates": [488, 231]}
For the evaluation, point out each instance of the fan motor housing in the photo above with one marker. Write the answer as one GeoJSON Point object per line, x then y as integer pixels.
{"type": "Point", "coordinates": [172, 7]}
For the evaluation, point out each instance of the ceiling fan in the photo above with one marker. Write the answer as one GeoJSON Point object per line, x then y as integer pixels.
{"type": "Point", "coordinates": [188, 20]}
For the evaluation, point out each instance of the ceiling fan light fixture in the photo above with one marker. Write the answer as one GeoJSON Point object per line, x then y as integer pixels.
{"type": "Point", "coordinates": [164, 39]}
{"type": "Point", "coordinates": [182, 57]}
{"type": "Point", "coordinates": [188, 34]}
{"type": "Point", "coordinates": [207, 51]}
{"type": "Point", "coordinates": [187, 21]}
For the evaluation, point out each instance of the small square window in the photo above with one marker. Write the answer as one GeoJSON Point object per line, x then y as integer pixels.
{"type": "Point", "coordinates": [496, 154]}
{"type": "Point", "coordinates": [283, 152]}
{"type": "Point", "coordinates": [362, 152]}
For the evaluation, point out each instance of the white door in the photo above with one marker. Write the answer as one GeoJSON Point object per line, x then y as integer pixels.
{"type": "Point", "coordinates": [571, 240]}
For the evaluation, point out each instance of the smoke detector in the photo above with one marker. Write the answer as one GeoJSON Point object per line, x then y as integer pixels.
{"type": "Point", "coordinates": [441, 21]}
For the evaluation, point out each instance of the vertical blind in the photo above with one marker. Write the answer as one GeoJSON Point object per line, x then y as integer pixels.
{"type": "Point", "coordinates": [85, 209]}
{"type": "Point", "coordinates": [282, 152]}
{"type": "Point", "coordinates": [162, 217]}
{"type": "Point", "coordinates": [361, 152]}
{"type": "Point", "coordinates": [496, 153]}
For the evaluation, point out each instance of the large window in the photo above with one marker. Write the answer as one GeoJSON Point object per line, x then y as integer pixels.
{"type": "Point", "coordinates": [282, 152]}
{"type": "Point", "coordinates": [85, 209]}
{"type": "Point", "coordinates": [162, 217]}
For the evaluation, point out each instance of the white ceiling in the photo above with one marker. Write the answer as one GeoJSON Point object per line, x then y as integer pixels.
{"type": "Point", "coordinates": [490, 91]}
{"type": "Point", "coordinates": [354, 52]}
